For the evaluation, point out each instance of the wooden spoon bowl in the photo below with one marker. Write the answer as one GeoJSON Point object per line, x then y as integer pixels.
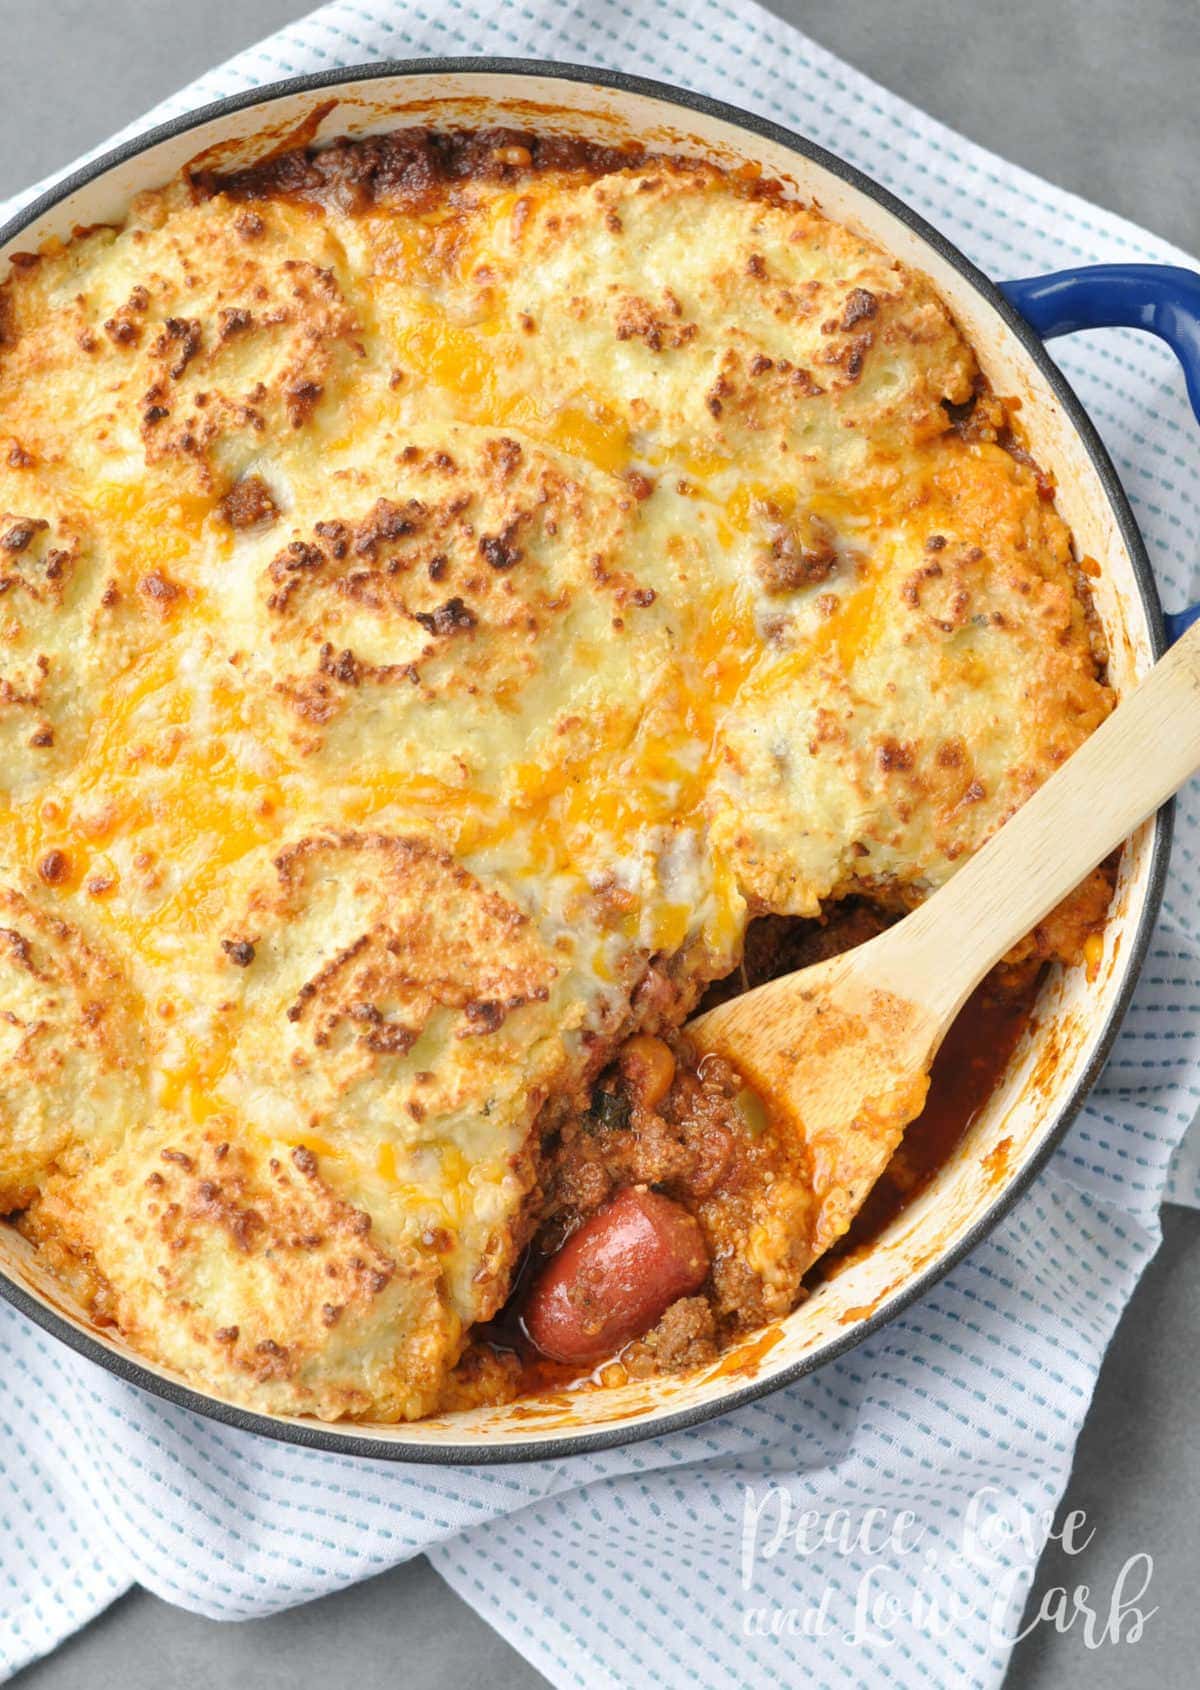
{"type": "Point", "coordinates": [840, 1052]}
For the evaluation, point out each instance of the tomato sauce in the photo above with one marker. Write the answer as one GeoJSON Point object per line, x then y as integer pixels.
{"type": "Point", "coordinates": [966, 1071]}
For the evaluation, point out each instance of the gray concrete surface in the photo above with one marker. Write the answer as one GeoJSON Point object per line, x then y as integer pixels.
{"type": "Point", "coordinates": [1096, 94]}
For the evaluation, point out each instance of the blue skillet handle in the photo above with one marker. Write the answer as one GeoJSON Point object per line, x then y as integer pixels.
{"type": "Point", "coordinates": [1161, 298]}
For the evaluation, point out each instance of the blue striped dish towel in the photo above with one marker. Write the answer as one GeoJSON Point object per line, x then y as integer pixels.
{"type": "Point", "coordinates": [743, 1552]}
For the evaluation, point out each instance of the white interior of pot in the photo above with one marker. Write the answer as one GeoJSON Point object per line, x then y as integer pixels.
{"type": "Point", "coordinates": [1071, 1013]}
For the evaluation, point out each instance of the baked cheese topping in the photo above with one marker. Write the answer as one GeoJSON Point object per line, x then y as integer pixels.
{"type": "Point", "coordinates": [445, 585]}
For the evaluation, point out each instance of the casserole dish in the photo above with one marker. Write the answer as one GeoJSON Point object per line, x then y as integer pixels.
{"type": "Point", "coordinates": [1076, 1017]}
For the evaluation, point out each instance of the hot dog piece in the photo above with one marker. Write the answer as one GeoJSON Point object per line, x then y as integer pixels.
{"type": "Point", "coordinates": [614, 1278]}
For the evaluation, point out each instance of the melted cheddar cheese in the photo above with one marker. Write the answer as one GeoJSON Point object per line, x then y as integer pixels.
{"type": "Point", "coordinates": [430, 603]}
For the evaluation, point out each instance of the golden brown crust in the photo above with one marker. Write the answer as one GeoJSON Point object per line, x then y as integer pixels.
{"type": "Point", "coordinates": [239, 1267]}
{"type": "Point", "coordinates": [218, 346]}
{"type": "Point", "coordinates": [69, 1064]}
{"type": "Point", "coordinates": [447, 584]}
{"type": "Point", "coordinates": [427, 940]}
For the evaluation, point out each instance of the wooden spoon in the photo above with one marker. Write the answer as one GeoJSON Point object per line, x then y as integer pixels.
{"type": "Point", "coordinates": [840, 1053]}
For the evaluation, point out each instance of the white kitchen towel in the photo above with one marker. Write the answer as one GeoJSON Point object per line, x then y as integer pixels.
{"type": "Point", "coordinates": [744, 1552]}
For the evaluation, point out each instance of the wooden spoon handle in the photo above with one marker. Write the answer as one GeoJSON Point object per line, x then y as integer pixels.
{"type": "Point", "coordinates": [1134, 761]}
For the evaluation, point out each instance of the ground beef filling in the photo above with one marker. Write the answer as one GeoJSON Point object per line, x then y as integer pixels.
{"type": "Point", "coordinates": [692, 1132]}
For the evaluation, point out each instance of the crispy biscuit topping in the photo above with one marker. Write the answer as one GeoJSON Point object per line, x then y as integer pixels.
{"type": "Point", "coordinates": [447, 584]}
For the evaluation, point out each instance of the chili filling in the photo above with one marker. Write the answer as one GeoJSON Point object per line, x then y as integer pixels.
{"type": "Point", "coordinates": [693, 1134]}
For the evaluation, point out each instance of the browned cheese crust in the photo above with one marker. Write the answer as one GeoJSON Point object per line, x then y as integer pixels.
{"type": "Point", "coordinates": [448, 586]}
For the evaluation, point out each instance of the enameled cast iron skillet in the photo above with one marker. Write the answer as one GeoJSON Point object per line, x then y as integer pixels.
{"type": "Point", "coordinates": [1075, 1022]}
